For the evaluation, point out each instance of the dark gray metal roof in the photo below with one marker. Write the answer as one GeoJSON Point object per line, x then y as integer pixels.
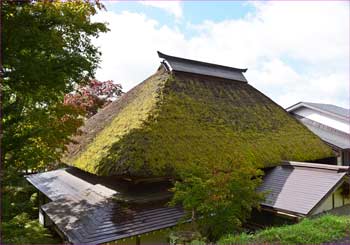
{"type": "Point", "coordinates": [108, 220]}
{"type": "Point", "coordinates": [297, 188]}
{"type": "Point", "coordinates": [202, 68]}
{"type": "Point", "coordinates": [330, 135]}
{"type": "Point", "coordinates": [92, 209]}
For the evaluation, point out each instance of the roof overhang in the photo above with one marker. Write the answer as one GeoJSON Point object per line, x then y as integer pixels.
{"type": "Point", "coordinates": [87, 211]}
{"type": "Point", "coordinates": [335, 138]}
{"type": "Point", "coordinates": [303, 104]}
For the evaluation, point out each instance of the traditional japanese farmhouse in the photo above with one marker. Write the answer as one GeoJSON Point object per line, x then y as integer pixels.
{"type": "Point", "coordinates": [331, 123]}
{"type": "Point", "coordinates": [188, 113]}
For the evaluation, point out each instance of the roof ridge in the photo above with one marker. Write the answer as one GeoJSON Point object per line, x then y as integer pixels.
{"type": "Point", "coordinates": [316, 166]}
{"type": "Point", "coordinates": [165, 56]}
{"type": "Point", "coordinates": [202, 68]}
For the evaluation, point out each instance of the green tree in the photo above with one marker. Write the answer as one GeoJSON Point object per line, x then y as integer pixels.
{"type": "Point", "coordinates": [47, 51]}
{"type": "Point", "coordinates": [219, 200]}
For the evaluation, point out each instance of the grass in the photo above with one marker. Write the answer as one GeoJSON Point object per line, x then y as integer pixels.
{"type": "Point", "coordinates": [327, 228]}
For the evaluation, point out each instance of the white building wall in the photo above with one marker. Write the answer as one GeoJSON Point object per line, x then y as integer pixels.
{"type": "Point", "coordinates": [324, 119]}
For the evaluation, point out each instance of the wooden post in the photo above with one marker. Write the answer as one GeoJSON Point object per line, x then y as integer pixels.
{"type": "Point", "coordinates": [138, 240]}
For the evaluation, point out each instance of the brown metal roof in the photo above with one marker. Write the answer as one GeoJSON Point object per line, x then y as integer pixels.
{"type": "Point", "coordinates": [92, 209]}
{"type": "Point", "coordinates": [297, 188]}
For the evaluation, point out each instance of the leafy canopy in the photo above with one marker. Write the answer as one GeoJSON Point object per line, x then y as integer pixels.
{"type": "Point", "coordinates": [221, 199]}
{"type": "Point", "coordinates": [20, 224]}
{"type": "Point", "coordinates": [47, 50]}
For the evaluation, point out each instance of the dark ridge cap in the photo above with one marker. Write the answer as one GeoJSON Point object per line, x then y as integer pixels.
{"type": "Point", "coordinates": [316, 166]}
{"type": "Point", "coordinates": [166, 57]}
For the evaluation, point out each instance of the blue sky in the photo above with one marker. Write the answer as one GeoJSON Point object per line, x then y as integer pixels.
{"type": "Point", "coordinates": [194, 12]}
{"type": "Point", "coordinates": [294, 51]}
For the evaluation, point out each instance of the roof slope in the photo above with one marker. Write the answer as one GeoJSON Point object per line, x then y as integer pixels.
{"type": "Point", "coordinates": [298, 187]}
{"type": "Point", "coordinates": [325, 108]}
{"type": "Point", "coordinates": [178, 121]}
{"type": "Point", "coordinates": [91, 210]}
{"type": "Point", "coordinates": [331, 108]}
{"type": "Point", "coordinates": [332, 136]}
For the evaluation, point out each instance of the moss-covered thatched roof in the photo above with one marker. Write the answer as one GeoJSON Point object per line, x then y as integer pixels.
{"type": "Point", "coordinates": [177, 121]}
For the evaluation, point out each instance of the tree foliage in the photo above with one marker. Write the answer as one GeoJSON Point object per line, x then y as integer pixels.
{"type": "Point", "coordinates": [47, 51]}
{"type": "Point", "coordinates": [220, 199]}
{"type": "Point", "coordinates": [20, 225]}
{"type": "Point", "coordinates": [93, 96]}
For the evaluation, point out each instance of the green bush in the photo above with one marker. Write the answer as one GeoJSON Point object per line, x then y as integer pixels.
{"type": "Point", "coordinates": [23, 230]}
{"type": "Point", "coordinates": [20, 215]}
{"type": "Point", "coordinates": [327, 228]}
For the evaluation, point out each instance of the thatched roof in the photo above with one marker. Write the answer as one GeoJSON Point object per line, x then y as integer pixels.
{"type": "Point", "coordinates": [179, 120]}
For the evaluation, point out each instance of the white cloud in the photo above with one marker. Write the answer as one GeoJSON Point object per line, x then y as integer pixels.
{"type": "Point", "coordinates": [294, 50]}
{"type": "Point", "coordinates": [172, 7]}
{"type": "Point", "coordinates": [286, 87]}
{"type": "Point", "coordinates": [129, 50]}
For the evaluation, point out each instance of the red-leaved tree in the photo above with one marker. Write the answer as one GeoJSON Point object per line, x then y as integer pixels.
{"type": "Point", "coordinates": [93, 96]}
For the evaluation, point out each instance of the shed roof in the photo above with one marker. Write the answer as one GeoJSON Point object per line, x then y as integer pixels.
{"type": "Point", "coordinates": [92, 210]}
{"type": "Point", "coordinates": [146, 133]}
{"type": "Point", "coordinates": [297, 187]}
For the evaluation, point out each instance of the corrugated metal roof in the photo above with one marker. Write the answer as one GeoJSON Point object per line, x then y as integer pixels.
{"type": "Point", "coordinates": [298, 187]}
{"type": "Point", "coordinates": [330, 135]}
{"type": "Point", "coordinates": [203, 68]}
{"type": "Point", "coordinates": [92, 209]}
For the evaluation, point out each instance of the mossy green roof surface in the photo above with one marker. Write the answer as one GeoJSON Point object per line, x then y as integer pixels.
{"type": "Point", "coordinates": [177, 122]}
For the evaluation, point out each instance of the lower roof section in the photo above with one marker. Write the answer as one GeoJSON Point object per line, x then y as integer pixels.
{"type": "Point", "coordinates": [108, 220]}
{"type": "Point", "coordinates": [94, 210]}
{"type": "Point", "coordinates": [297, 188]}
